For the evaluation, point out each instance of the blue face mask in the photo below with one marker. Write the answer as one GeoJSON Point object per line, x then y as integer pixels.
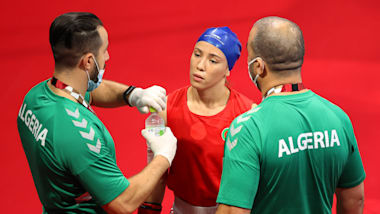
{"type": "Point", "coordinates": [92, 85]}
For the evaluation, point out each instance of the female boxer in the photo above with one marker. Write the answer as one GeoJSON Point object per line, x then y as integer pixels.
{"type": "Point", "coordinates": [199, 116]}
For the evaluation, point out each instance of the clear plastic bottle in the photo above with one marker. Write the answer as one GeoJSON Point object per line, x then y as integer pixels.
{"type": "Point", "coordinates": [154, 123]}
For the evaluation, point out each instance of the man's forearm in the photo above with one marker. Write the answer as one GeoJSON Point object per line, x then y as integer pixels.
{"type": "Point", "coordinates": [141, 186]}
{"type": "Point", "coordinates": [109, 94]}
{"type": "Point", "coordinates": [156, 197]}
{"type": "Point", "coordinates": [159, 191]}
{"type": "Point", "coordinates": [144, 183]}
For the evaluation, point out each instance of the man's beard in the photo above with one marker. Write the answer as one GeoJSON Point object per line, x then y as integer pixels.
{"type": "Point", "coordinates": [95, 73]}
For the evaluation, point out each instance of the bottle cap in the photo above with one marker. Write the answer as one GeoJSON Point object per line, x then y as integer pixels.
{"type": "Point", "coordinates": [151, 109]}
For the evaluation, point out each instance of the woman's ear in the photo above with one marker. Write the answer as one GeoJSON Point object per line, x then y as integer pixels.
{"type": "Point", "coordinates": [228, 73]}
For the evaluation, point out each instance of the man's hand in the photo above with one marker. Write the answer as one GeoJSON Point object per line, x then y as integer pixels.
{"type": "Point", "coordinates": [154, 97]}
{"type": "Point", "coordinates": [165, 145]}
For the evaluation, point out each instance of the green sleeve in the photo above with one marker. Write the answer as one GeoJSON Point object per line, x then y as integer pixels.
{"type": "Point", "coordinates": [87, 152]}
{"type": "Point", "coordinates": [83, 146]}
{"type": "Point", "coordinates": [241, 166]}
{"type": "Point", "coordinates": [103, 180]}
{"type": "Point", "coordinates": [353, 172]}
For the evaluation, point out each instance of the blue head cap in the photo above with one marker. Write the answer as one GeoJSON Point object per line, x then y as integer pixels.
{"type": "Point", "coordinates": [224, 39]}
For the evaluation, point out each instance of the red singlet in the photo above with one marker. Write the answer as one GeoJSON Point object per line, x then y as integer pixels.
{"type": "Point", "coordinates": [197, 167]}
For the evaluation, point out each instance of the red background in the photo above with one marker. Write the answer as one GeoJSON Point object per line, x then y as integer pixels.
{"type": "Point", "coordinates": [151, 43]}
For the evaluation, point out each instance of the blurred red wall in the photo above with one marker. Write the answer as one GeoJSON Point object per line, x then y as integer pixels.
{"type": "Point", "coordinates": [151, 42]}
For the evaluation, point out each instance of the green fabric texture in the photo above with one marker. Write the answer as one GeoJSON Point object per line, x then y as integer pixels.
{"type": "Point", "coordinates": [70, 152]}
{"type": "Point", "coordinates": [288, 155]}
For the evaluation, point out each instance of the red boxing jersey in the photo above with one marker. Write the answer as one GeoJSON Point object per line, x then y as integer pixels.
{"type": "Point", "coordinates": [197, 167]}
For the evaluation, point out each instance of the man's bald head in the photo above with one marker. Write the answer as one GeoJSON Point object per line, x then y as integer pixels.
{"type": "Point", "coordinates": [279, 42]}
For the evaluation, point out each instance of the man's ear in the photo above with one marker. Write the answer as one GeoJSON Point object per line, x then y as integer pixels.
{"type": "Point", "coordinates": [86, 62]}
{"type": "Point", "coordinates": [261, 68]}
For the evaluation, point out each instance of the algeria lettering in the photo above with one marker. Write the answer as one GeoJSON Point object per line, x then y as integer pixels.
{"type": "Point", "coordinates": [310, 140]}
{"type": "Point", "coordinates": [33, 124]}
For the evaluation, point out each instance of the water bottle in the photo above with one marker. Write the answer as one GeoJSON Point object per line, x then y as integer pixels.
{"type": "Point", "coordinates": [155, 124]}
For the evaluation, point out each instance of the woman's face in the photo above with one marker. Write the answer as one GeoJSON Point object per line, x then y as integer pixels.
{"type": "Point", "coordinates": [208, 66]}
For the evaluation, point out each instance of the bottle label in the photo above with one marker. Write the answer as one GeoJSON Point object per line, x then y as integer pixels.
{"type": "Point", "coordinates": [158, 131]}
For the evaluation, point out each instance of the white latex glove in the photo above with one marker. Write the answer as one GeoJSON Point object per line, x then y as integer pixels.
{"type": "Point", "coordinates": [154, 97]}
{"type": "Point", "coordinates": [165, 145]}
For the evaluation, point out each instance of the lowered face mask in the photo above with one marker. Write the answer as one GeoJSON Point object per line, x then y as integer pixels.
{"type": "Point", "coordinates": [92, 85]}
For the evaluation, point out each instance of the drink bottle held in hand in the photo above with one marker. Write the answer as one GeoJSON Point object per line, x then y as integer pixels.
{"type": "Point", "coordinates": [155, 124]}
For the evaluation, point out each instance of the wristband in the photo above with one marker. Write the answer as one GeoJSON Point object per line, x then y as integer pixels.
{"type": "Point", "coordinates": [150, 208]}
{"type": "Point", "coordinates": [127, 93]}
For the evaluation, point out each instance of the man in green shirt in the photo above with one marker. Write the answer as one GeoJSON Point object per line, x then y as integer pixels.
{"type": "Point", "coordinates": [70, 152]}
{"type": "Point", "coordinates": [296, 149]}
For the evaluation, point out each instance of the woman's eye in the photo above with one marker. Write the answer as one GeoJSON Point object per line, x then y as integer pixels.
{"type": "Point", "coordinates": [196, 54]}
{"type": "Point", "coordinates": [213, 61]}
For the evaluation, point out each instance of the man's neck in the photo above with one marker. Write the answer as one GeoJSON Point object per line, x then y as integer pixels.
{"type": "Point", "coordinates": [75, 78]}
{"type": "Point", "coordinates": [277, 81]}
